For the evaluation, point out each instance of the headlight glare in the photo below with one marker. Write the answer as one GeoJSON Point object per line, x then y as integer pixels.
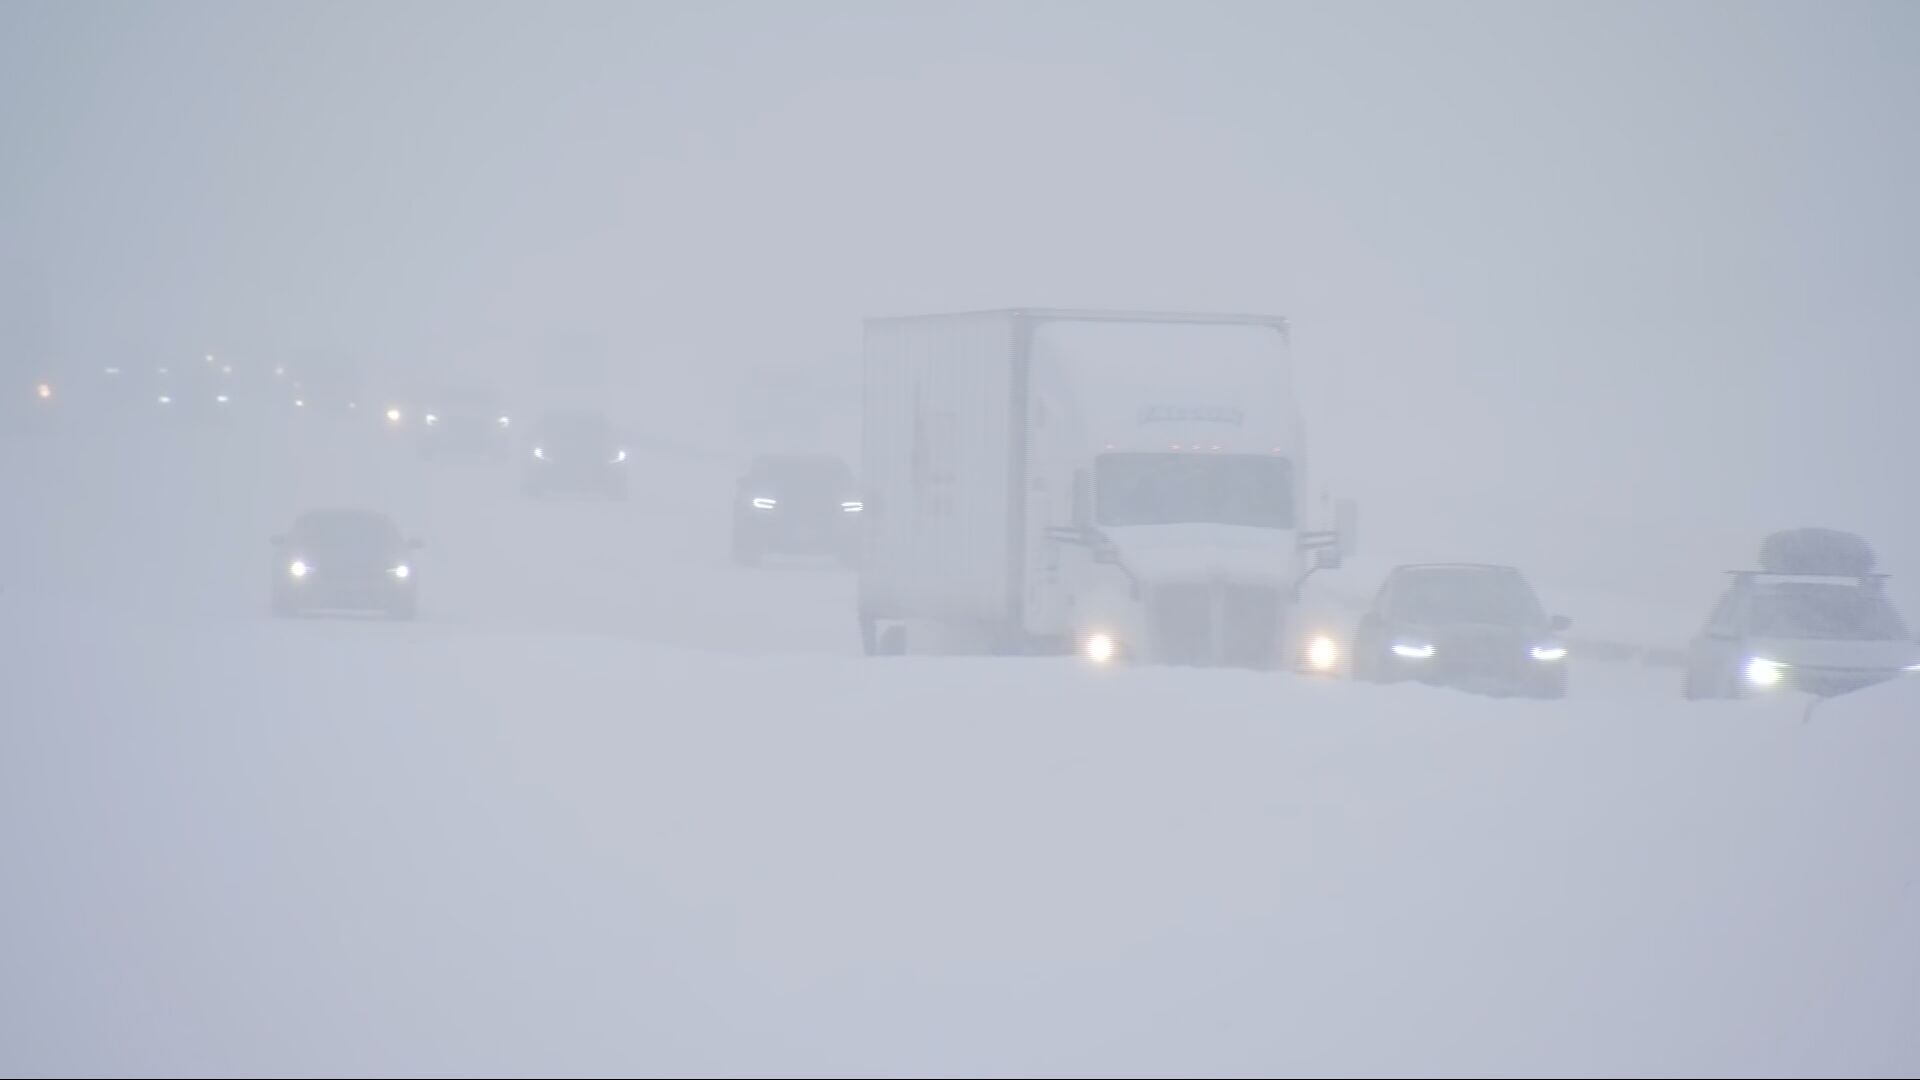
{"type": "Point", "coordinates": [1100, 647]}
{"type": "Point", "coordinates": [1762, 672]}
{"type": "Point", "coordinates": [1413, 650]}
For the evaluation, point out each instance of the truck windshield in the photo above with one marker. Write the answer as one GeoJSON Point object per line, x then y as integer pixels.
{"type": "Point", "coordinates": [1826, 612]}
{"type": "Point", "coordinates": [1176, 488]}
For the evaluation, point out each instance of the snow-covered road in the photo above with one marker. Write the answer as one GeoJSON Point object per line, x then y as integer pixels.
{"type": "Point", "coordinates": [616, 807]}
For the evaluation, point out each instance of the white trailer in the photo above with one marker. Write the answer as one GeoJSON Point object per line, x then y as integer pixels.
{"type": "Point", "coordinates": [1130, 485]}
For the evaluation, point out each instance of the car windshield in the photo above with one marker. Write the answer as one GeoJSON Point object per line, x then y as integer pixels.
{"type": "Point", "coordinates": [1181, 488]}
{"type": "Point", "coordinates": [1826, 612]}
{"type": "Point", "coordinates": [466, 401]}
{"type": "Point", "coordinates": [1490, 596]}
{"type": "Point", "coordinates": [804, 476]}
{"type": "Point", "coordinates": [579, 427]}
{"type": "Point", "coordinates": [348, 529]}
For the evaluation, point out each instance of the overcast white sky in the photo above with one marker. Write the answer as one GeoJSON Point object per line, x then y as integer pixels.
{"type": "Point", "coordinates": [1605, 287]}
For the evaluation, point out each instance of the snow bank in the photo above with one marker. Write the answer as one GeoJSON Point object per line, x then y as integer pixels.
{"type": "Point", "coordinates": [316, 847]}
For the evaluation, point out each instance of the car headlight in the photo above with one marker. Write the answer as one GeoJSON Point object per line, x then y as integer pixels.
{"type": "Point", "coordinates": [619, 457]}
{"type": "Point", "coordinates": [299, 568]}
{"type": "Point", "coordinates": [222, 398]}
{"type": "Point", "coordinates": [852, 506]}
{"type": "Point", "coordinates": [761, 502]}
{"type": "Point", "coordinates": [1413, 650]}
{"type": "Point", "coordinates": [44, 390]}
{"type": "Point", "coordinates": [506, 421]}
{"type": "Point", "coordinates": [1323, 653]}
{"type": "Point", "coordinates": [432, 419]}
{"type": "Point", "coordinates": [299, 403]}
{"type": "Point", "coordinates": [1547, 654]}
{"type": "Point", "coordinates": [540, 452]}
{"type": "Point", "coordinates": [1763, 672]}
{"type": "Point", "coordinates": [393, 416]}
{"type": "Point", "coordinates": [1100, 647]}
{"type": "Point", "coordinates": [166, 399]}
{"type": "Point", "coordinates": [403, 571]}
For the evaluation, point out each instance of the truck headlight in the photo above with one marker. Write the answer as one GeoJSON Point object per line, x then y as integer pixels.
{"type": "Point", "coordinates": [1100, 647]}
{"type": "Point", "coordinates": [299, 568]}
{"type": "Point", "coordinates": [1413, 650]}
{"type": "Point", "coordinates": [432, 419]}
{"type": "Point", "coordinates": [852, 506]}
{"type": "Point", "coordinates": [619, 457]}
{"type": "Point", "coordinates": [1763, 673]}
{"type": "Point", "coordinates": [1548, 653]}
{"type": "Point", "coordinates": [761, 502]}
{"type": "Point", "coordinates": [540, 452]}
{"type": "Point", "coordinates": [1323, 653]}
{"type": "Point", "coordinates": [403, 571]}
{"type": "Point", "coordinates": [505, 421]}
{"type": "Point", "coordinates": [45, 391]}
{"type": "Point", "coordinates": [393, 416]}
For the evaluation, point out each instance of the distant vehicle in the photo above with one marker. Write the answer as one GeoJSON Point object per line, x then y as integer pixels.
{"type": "Point", "coordinates": [464, 420]}
{"type": "Point", "coordinates": [1815, 618]}
{"type": "Point", "coordinates": [195, 391]}
{"type": "Point", "coordinates": [1466, 625]}
{"type": "Point", "coordinates": [328, 392]}
{"type": "Point", "coordinates": [345, 560]}
{"type": "Point", "coordinates": [796, 504]}
{"type": "Point", "coordinates": [1130, 486]}
{"type": "Point", "coordinates": [575, 451]}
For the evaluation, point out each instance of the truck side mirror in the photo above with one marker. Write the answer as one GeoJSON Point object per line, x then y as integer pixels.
{"type": "Point", "coordinates": [1346, 523]}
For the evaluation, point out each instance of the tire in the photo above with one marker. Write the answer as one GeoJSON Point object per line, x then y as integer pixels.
{"type": "Point", "coordinates": [746, 549]}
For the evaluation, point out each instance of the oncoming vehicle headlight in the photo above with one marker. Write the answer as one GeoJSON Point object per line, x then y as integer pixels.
{"type": "Point", "coordinates": [852, 506]}
{"type": "Point", "coordinates": [1413, 650]}
{"type": "Point", "coordinates": [45, 390]}
{"type": "Point", "coordinates": [540, 452]}
{"type": "Point", "coordinates": [432, 419]}
{"type": "Point", "coordinates": [1911, 667]}
{"type": "Point", "coordinates": [505, 421]}
{"type": "Point", "coordinates": [1100, 647]}
{"type": "Point", "coordinates": [761, 502]}
{"type": "Point", "coordinates": [298, 568]}
{"type": "Point", "coordinates": [403, 571]}
{"type": "Point", "coordinates": [166, 399]}
{"type": "Point", "coordinates": [619, 456]}
{"type": "Point", "coordinates": [393, 416]}
{"type": "Point", "coordinates": [1323, 653]}
{"type": "Point", "coordinates": [1548, 653]}
{"type": "Point", "coordinates": [1763, 672]}
{"type": "Point", "coordinates": [221, 399]}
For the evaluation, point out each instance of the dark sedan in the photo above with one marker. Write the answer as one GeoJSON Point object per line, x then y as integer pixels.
{"type": "Point", "coordinates": [1469, 626]}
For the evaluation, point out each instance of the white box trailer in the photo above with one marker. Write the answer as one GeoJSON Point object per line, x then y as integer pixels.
{"type": "Point", "coordinates": [1127, 484]}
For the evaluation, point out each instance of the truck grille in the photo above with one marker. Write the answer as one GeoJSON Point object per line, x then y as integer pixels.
{"type": "Point", "coordinates": [1216, 625]}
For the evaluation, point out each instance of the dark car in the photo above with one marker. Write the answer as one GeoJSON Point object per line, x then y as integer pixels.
{"type": "Point", "coordinates": [1466, 625]}
{"type": "Point", "coordinates": [576, 452]}
{"type": "Point", "coordinates": [345, 560]}
{"type": "Point", "coordinates": [464, 420]}
{"type": "Point", "coordinates": [796, 504]}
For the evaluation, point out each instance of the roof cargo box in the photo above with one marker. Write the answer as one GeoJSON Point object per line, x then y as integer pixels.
{"type": "Point", "coordinates": [1816, 551]}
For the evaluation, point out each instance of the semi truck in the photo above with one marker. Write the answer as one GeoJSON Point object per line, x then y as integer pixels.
{"type": "Point", "coordinates": [1129, 486]}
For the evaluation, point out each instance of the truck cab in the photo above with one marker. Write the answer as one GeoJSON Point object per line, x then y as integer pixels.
{"type": "Point", "coordinates": [1127, 486]}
